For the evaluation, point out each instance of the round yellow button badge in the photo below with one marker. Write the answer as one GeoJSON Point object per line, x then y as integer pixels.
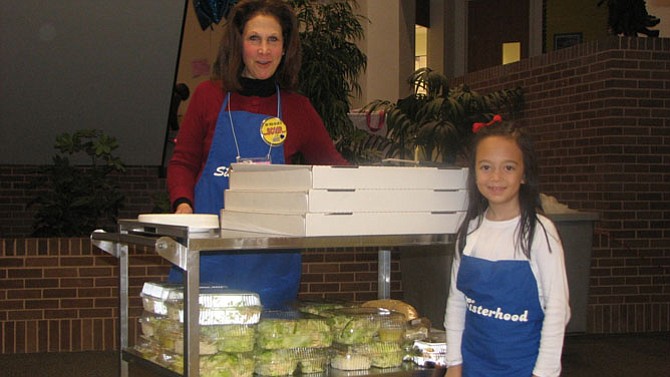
{"type": "Point", "coordinates": [273, 131]}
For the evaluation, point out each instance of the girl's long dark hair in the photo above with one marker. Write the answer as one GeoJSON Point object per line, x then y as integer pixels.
{"type": "Point", "coordinates": [529, 193]}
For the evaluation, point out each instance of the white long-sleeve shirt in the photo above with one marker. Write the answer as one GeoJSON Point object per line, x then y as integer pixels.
{"type": "Point", "coordinates": [494, 241]}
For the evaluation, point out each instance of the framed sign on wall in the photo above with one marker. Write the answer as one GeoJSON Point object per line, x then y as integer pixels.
{"type": "Point", "coordinates": [563, 40]}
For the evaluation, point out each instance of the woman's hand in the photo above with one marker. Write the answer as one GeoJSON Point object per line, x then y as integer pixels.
{"type": "Point", "coordinates": [183, 208]}
{"type": "Point", "coordinates": [454, 371]}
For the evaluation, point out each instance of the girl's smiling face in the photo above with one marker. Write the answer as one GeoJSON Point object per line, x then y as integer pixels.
{"type": "Point", "coordinates": [263, 47]}
{"type": "Point", "coordinates": [499, 175]}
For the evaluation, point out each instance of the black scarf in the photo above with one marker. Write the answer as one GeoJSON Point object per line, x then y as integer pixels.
{"type": "Point", "coordinates": [260, 88]}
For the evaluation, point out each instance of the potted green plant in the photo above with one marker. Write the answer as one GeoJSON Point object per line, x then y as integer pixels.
{"type": "Point", "coordinates": [331, 63]}
{"type": "Point", "coordinates": [73, 200]}
{"type": "Point", "coordinates": [434, 123]}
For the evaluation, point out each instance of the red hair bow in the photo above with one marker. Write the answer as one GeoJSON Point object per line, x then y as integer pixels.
{"type": "Point", "coordinates": [479, 125]}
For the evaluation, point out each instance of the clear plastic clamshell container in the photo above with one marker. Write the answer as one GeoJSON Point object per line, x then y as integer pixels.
{"type": "Point", "coordinates": [155, 295]}
{"type": "Point", "coordinates": [432, 351]}
{"type": "Point", "coordinates": [218, 305]}
{"type": "Point", "coordinates": [149, 350]}
{"type": "Point", "coordinates": [312, 360]}
{"type": "Point", "coordinates": [221, 364]}
{"type": "Point", "coordinates": [245, 315]}
{"type": "Point", "coordinates": [222, 306]}
{"type": "Point", "coordinates": [417, 330]}
{"type": "Point", "coordinates": [239, 364]}
{"type": "Point", "coordinates": [318, 307]}
{"type": "Point", "coordinates": [364, 356]}
{"type": "Point", "coordinates": [366, 325]}
{"type": "Point", "coordinates": [279, 362]}
{"type": "Point", "coordinates": [283, 362]}
{"type": "Point", "coordinates": [292, 329]}
{"type": "Point", "coordinates": [168, 334]}
{"type": "Point", "coordinates": [343, 360]}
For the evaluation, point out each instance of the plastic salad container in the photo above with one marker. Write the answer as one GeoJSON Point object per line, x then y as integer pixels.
{"type": "Point", "coordinates": [365, 325]}
{"type": "Point", "coordinates": [155, 295]}
{"type": "Point", "coordinates": [168, 334]}
{"type": "Point", "coordinates": [312, 360]}
{"type": "Point", "coordinates": [221, 364]}
{"type": "Point", "coordinates": [280, 362]}
{"type": "Point", "coordinates": [318, 307]}
{"type": "Point", "coordinates": [290, 329]}
{"type": "Point", "coordinates": [376, 354]}
{"type": "Point", "coordinates": [220, 306]}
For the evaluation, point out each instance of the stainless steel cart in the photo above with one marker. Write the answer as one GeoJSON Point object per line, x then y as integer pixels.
{"type": "Point", "coordinates": [177, 245]}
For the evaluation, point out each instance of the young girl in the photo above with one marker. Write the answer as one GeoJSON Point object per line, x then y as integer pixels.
{"type": "Point", "coordinates": [508, 301]}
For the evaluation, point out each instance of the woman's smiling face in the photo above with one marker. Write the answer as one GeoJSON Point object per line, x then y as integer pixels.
{"type": "Point", "coordinates": [499, 173]}
{"type": "Point", "coordinates": [263, 47]}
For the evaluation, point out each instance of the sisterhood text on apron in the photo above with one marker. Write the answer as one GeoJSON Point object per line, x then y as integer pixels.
{"type": "Point", "coordinates": [503, 320]}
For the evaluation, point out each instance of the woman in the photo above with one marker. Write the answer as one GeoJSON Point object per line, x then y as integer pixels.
{"type": "Point", "coordinates": [248, 111]}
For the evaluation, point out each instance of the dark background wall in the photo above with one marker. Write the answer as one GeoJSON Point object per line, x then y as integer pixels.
{"type": "Point", "coordinates": [70, 65]}
{"type": "Point", "coordinates": [492, 23]}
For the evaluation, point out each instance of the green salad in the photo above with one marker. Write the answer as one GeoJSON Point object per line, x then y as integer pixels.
{"type": "Point", "coordinates": [319, 307]}
{"type": "Point", "coordinates": [168, 334]}
{"type": "Point", "coordinates": [275, 333]}
{"type": "Point", "coordinates": [221, 365]}
{"type": "Point", "coordinates": [381, 354]}
{"type": "Point", "coordinates": [350, 329]}
{"type": "Point", "coordinates": [275, 363]}
{"type": "Point", "coordinates": [231, 338]}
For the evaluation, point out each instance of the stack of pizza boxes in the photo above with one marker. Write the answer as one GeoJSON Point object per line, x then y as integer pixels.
{"type": "Point", "coordinates": [323, 200]}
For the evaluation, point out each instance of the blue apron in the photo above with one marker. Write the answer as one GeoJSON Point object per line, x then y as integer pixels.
{"type": "Point", "coordinates": [503, 319]}
{"type": "Point", "coordinates": [274, 275]}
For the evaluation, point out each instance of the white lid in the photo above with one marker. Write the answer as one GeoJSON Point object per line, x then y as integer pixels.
{"type": "Point", "coordinates": [227, 316]}
{"type": "Point", "coordinates": [195, 222]}
{"type": "Point", "coordinates": [217, 297]}
{"type": "Point", "coordinates": [162, 291]}
{"type": "Point", "coordinates": [209, 297]}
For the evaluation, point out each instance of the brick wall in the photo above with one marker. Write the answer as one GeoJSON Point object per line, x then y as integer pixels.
{"type": "Point", "coordinates": [16, 217]}
{"type": "Point", "coordinates": [61, 295]}
{"type": "Point", "coordinates": [600, 113]}
{"type": "Point", "coordinates": [140, 184]}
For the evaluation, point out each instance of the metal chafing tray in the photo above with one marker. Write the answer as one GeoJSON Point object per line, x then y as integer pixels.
{"type": "Point", "coordinates": [182, 248]}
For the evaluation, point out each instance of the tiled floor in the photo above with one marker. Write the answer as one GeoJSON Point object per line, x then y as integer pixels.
{"type": "Point", "coordinates": [617, 355]}
{"type": "Point", "coordinates": [584, 355]}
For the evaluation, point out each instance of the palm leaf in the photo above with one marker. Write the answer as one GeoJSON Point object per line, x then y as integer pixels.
{"type": "Point", "coordinates": [436, 119]}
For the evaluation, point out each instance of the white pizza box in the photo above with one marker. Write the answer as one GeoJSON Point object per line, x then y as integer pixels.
{"type": "Point", "coordinates": [342, 224]}
{"type": "Point", "coordinates": [335, 201]}
{"type": "Point", "coordinates": [305, 177]}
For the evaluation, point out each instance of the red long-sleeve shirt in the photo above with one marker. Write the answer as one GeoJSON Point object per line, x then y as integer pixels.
{"type": "Point", "coordinates": [306, 133]}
